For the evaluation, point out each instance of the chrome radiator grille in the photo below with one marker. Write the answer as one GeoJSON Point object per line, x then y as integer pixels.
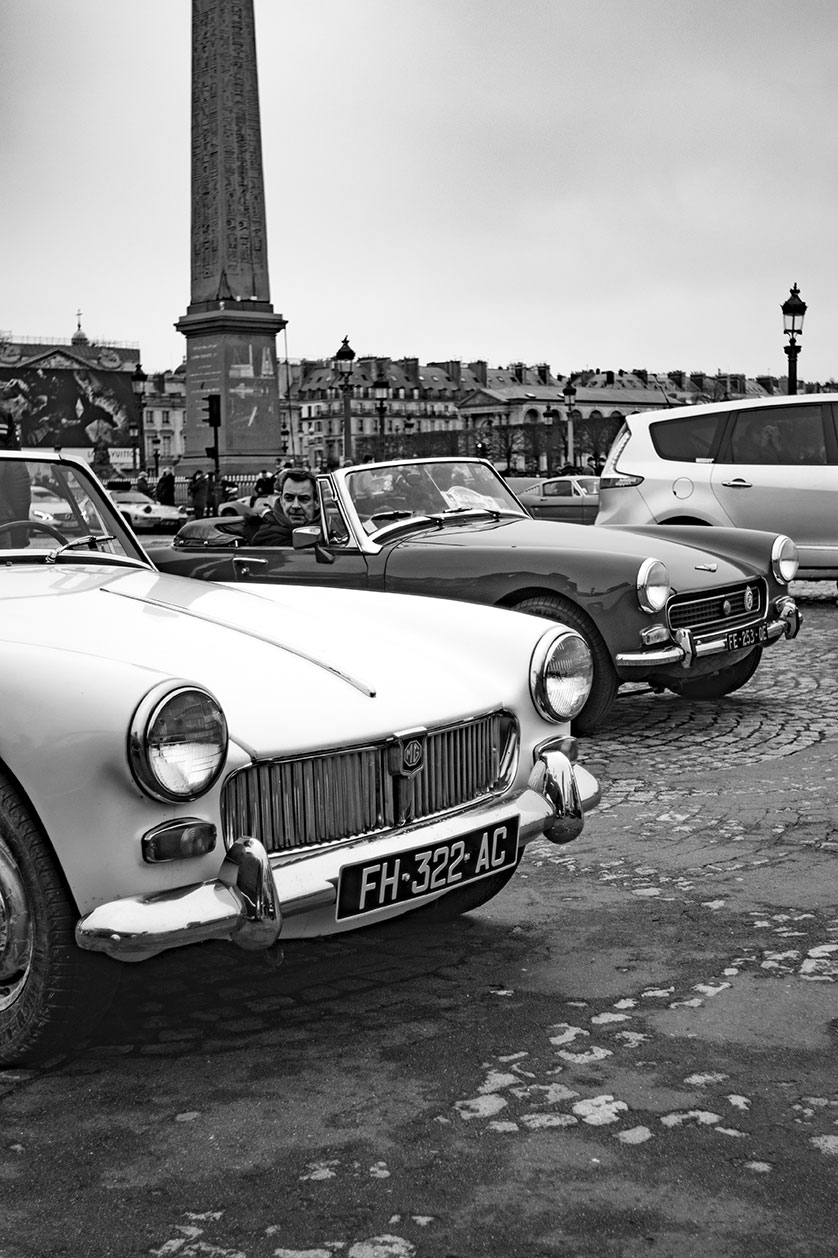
{"type": "Point", "coordinates": [312, 801]}
{"type": "Point", "coordinates": [718, 609]}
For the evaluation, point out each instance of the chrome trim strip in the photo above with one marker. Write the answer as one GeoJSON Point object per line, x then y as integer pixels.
{"type": "Point", "coordinates": [252, 895]}
{"type": "Point", "coordinates": [786, 624]}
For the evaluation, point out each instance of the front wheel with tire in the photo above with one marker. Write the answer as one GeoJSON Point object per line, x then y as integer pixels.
{"type": "Point", "coordinates": [605, 683]}
{"type": "Point", "coordinates": [724, 682]}
{"type": "Point", "coordinates": [51, 993]}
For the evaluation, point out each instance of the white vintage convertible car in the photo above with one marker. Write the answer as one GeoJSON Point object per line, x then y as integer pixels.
{"type": "Point", "coordinates": [182, 762]}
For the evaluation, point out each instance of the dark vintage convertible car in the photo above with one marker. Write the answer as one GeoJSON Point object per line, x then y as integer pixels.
{"type": "Point", "coordinates": [685, 609]}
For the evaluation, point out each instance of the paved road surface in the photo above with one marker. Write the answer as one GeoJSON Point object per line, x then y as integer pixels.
{"type": "Point", "coordinates": [632, 1051]}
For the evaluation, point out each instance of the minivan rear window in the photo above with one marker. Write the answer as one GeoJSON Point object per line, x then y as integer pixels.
{"type": "Point", "coordinates": [687, 439]}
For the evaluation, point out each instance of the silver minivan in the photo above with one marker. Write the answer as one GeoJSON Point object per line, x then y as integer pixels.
{"type": "Point", "coordinates": [766, 463]}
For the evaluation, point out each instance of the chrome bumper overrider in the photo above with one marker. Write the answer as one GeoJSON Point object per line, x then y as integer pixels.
{"type": "Point", "coordinates": [252, 895]}
{"type": "Point", "coordinates": [783, 621]}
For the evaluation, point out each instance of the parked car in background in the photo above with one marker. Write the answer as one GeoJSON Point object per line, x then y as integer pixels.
{"type": "Point", "coordinates": [571, 498]}
{"type": "Point", "coordinates": [182, 762]}
{"type": "Point", "coordinates": [680, 609]}
{"type": "Point", "coordinates": [48, 508]}
{"type": "Point", "coordinates": [145, 514]}
{"type": "Point", "coordinates": [767, 463]}
{"type": "Point", "coordinates": [252, 504]}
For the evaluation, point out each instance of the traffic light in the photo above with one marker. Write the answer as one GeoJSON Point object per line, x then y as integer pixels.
{"type": "Point", "coordinates": [211, 408]}
{"type": "Point", "coordinates": [481, 449]}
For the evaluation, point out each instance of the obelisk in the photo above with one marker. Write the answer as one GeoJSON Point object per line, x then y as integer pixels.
{"type": "Point", "coordinates": [230, 325]}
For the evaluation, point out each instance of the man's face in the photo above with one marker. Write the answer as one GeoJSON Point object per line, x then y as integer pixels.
{"type": "Point", "coordinates": [297, 501]}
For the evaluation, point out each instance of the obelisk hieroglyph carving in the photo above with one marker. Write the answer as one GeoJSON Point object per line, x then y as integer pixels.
{"type": "Point", "coordinates": [230, 325]}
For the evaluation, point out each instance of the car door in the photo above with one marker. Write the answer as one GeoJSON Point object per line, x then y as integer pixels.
{"type": "Point", "coordinates": [555, 501]}
{"type": "Point", "coordinates": [324, 564]}
{"type": "Point", "coordinates": [334, 559]}
{"type": "Point", "coordinates": [777, 469]}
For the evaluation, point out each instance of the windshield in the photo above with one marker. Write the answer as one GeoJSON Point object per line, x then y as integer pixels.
{"type": "Point", "coordinates": [382, 494]}
{"type": "Point", "coordinates": [46, 504]}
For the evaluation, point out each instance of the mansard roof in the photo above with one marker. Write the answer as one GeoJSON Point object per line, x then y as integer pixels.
{"type": "Point", "coordinates": [68, 355]}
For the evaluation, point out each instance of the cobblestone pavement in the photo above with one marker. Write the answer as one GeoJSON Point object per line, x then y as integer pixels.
{"type": "Point", "coordinates": [630, 1051]}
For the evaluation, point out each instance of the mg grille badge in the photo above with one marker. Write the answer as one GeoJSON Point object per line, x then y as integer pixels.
{"type": "Point", "coordinates": [407, 754]}
{"type": "Point", "coordinates": [406, 758]}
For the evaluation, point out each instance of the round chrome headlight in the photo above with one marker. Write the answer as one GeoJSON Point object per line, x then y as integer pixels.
{"type": "Point", "coordinates": [785, 559]}
{"type": "Point", "coordinates": [177, 743]}
{"type": "Point", "coordinates": [653, 585]}
{"type": "Point", "coordinates": [561, 674]}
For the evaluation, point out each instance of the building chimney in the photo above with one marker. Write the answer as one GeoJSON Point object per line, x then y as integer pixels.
{"type": "Point", "coordinates": [642, 374]}
{"type": "Point", "coordinates": [767, 383]}
{"type": "Point", "coordinates": [543, 373]}
{"type": "Point", "coordinates": [481, 371]}
{"type": "Point", "coordinates": [677, 378]}
{"type": "Point", "coordinates": [698, 379]}
{"type": "Point", "coordinates": [410, 367]}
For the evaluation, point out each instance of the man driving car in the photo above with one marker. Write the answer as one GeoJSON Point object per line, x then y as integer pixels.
{"type": "Point", "coordinates": [296, 504]}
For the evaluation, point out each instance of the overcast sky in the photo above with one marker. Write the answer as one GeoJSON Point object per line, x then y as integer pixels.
{"type": "Point", "coordinates": [586, 183]}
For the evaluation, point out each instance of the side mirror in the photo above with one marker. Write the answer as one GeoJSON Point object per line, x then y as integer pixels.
{"type": "Point", "coordinates": [306, 536]}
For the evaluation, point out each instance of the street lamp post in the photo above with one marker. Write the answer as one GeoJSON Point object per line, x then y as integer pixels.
{"type": "Point", "coordinates": [793, 309]}
{"type": "Point", "coordinates": [134, 433]}
{"type": "Point", "coordinates": [342, 364]}
{"type": "Point", "coordinates": [569, 394]}
{"type": "Point", "coordinates": [135, 426]}
{"type": "Point", "coordinates": [155, 450]}
{"type": "Point", "coordinates": [381, 393]}
{"type": "Point", "coordinates": [550, 415]}
{"type": "Point", "coordinates": [284, 434]}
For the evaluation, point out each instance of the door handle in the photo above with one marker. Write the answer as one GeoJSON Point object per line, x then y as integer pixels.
{"type": "Point", "coordinates": [242, 567]}
{"type": "Point", "coordinates": [738, 484]}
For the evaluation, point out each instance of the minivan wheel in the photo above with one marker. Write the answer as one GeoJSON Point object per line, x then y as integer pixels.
{"type": "Point", "coordinates": [717, 685]}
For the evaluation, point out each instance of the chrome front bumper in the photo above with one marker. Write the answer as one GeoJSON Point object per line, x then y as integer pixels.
{"type": "Point", "coordinates": [252, 895]}
{"type": "Point", "coordinates": [783, 621]}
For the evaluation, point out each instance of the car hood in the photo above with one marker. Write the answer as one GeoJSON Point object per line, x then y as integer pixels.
{"type": "Point", "coordinates": [527, 544]}
{"type": "Point", "coordinates": [277, 658]}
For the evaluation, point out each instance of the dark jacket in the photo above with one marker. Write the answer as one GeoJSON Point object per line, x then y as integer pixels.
{"type": "Point", "coordinates": [274, 530]}
{"type": "Point", "coordinates": [166, 489]}
{"type": "Point", "coordinates": [14, 502]}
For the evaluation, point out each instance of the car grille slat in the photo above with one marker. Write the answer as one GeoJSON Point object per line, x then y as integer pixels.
{"type": "Point", "coordinates": [719, 609]}
{"type": "Point", "coordinates": [313, 801]}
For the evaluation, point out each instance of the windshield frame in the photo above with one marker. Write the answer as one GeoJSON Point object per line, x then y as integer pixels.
{"type": "Point", "coordinates": [499, 499]}
{"type": "Point", "coordinates": [73, 481]}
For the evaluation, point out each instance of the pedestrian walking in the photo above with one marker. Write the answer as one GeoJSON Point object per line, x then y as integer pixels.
{"type": "Point", "coordinates": [264, 484]}
{"type": "Point", "coordinates": [198, 491]}
{"type": "Point", "coordinates": [15, 492]}
{"type": "Point", "coordinates": [165, 491]}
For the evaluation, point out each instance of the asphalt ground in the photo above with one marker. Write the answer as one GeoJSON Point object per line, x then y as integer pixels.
{"type": "Point", "coordinates": [631, 1050]}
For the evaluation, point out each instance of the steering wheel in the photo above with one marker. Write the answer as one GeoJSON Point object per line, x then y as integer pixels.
{"type": "Point", "coordinates": [29, 525]}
